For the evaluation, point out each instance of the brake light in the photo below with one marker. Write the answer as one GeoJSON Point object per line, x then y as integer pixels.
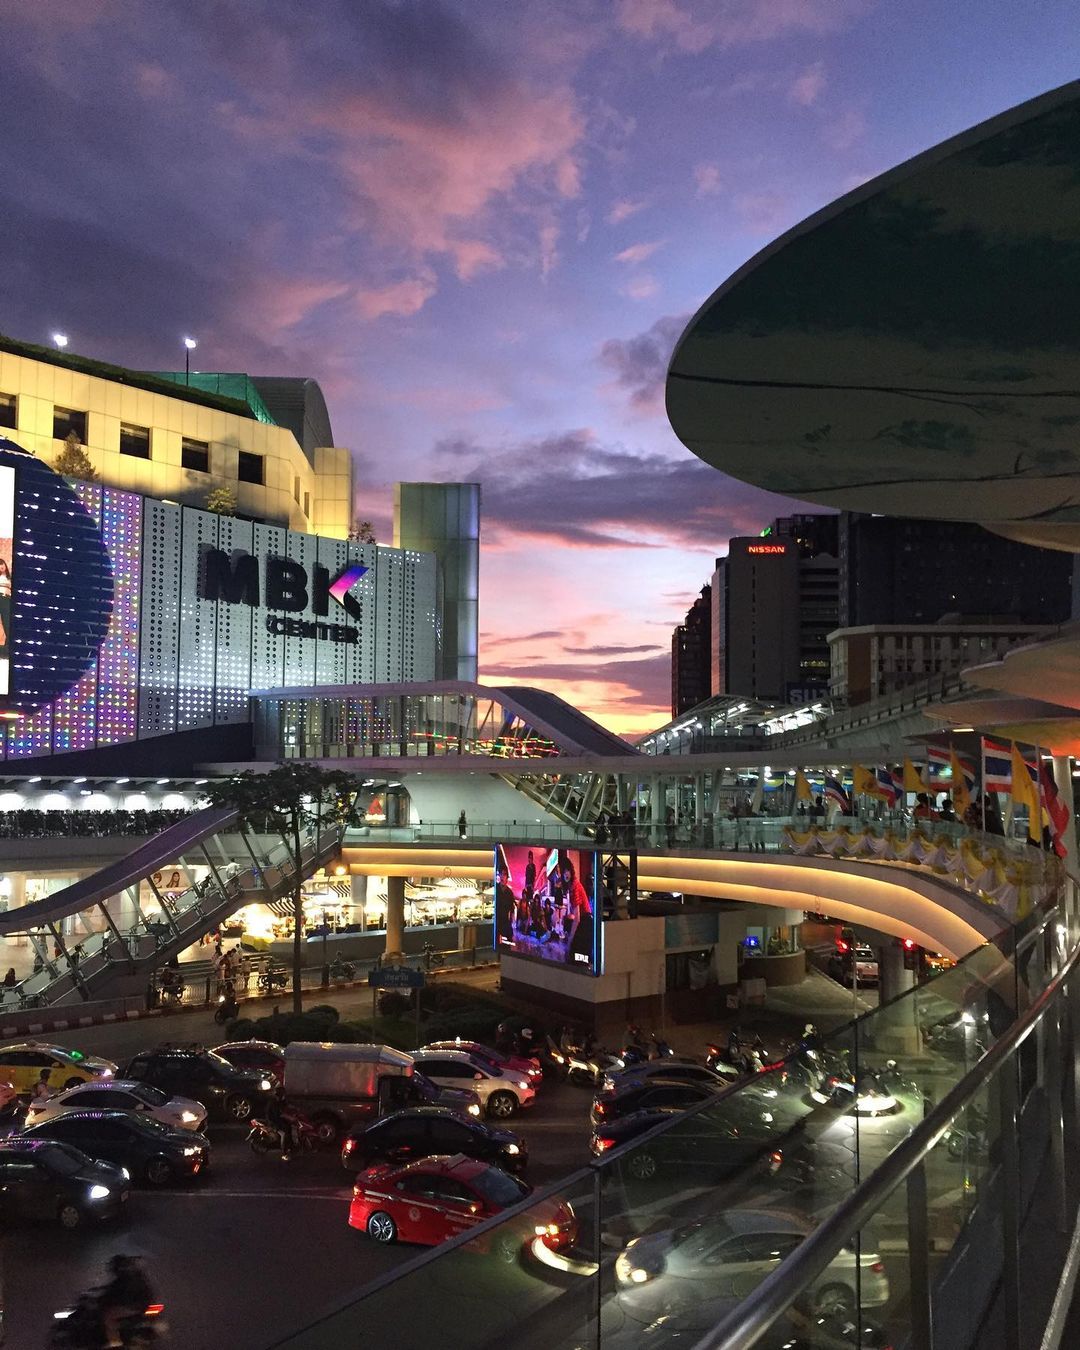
{"type": "Point", "coordinates": [842, 946]}
{"type": "Point", "coordinates": [878, 1268]}
{"type": "Point", "coordinates": [154, 1310]}
{"type": "Point", "coordinates": [350, 1145]}
{"type": "Point", "coordinates": [602, 1143]}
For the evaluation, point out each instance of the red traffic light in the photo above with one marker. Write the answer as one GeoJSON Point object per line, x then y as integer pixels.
{"type": "Point", "coordinates": [909, 944]}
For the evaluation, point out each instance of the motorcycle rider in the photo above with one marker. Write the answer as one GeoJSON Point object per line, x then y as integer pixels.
{"type": "Point", "coordinates": [127, 1294]}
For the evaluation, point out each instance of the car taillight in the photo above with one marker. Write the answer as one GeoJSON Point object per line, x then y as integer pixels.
{"type": "Point", "coordinates": [154, 1310]}
{"type": "Point", "coordinates": [600, 1108]}
{"type": "Point", "coordinates": [602, 1144]}
{"type": "Point", "coordinates": [350, 1145]}
{"type": "Point", "coordinates": [776, 1158]}
{"type": "Point", "coordinates": [878, 1268]}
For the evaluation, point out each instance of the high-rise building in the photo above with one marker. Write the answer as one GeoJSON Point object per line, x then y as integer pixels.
{"type": "Point", "coordinates": [690, 649]}
{"type": "Point", "coordinates": [774, 602]}
{"type": "Point", "coordinates": [912, 571]}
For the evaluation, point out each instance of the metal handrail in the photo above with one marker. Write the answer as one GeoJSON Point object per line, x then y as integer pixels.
{"type": "Point", "coordinates": [782, 1286]}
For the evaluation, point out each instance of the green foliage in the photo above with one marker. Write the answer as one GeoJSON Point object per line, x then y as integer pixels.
{"type": "Point", "coordinates": [73, 461]}
{"type": "Point", "coordinates": [221, 501]}
{"type": "Point", "coordinates": [393, 1004]}
{"type": "Point", "coordinates": [362, 532]}
{"type": "Point", "coordinates": [324, 1010]}
{"type": "Point", "coordinates": [475, 1023]}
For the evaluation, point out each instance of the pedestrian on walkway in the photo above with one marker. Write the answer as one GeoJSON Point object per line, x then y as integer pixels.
{"type": "Point", "coordinates": [462, 825]}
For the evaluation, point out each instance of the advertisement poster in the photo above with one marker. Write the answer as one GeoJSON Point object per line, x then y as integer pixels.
{"type": "Point", "coordinates": [7, 532]}
{"type": "Point", "coordinates": [546, 905]}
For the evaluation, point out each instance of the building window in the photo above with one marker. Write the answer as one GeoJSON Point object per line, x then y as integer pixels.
{"type": "Point", "coordinates": [195, 455]}
{"type": "Point", "coordinates": [65, 421]}
{"type": "Point", "coordinates": [134, 440]}
{"type": "Point", "coordinates": [7, 410]}
{"type": "Point", "coordinates": [249, 468]}
{"type": "Point", "coordinates": [296, 489]}
{"type": "Point", "coordinates": [307, 503]}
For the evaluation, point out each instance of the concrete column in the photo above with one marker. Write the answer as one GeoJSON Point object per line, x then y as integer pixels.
{"type": "Point", "coordinates": [656, 810]}
{"type": "Point", "coordinates": [1063, 780]}
{"type": "Point", "coordinates": [358, 895]}
{"type": "Point", "coordinates": [395, 921]}
{"type": "Point", "coordinates": [899, 1033]}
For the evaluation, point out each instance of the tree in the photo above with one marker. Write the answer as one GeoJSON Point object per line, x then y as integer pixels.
{"type": "Point", "coordinates": [362, 532]}
{"type": "Point", "coordinates": [221, 501]}
{"type": "Point", "coordinates": [288, 799]}
{"type": "Point", "coordinates": [73, 461]}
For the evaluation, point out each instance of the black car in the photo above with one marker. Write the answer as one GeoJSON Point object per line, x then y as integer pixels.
{"type": "Point", "coordinates": [43, 1179]}
{"type": "Point", "coordinates": [228, 1093]}
{"type": "Point", "coordinates": [150, 1151]}
{"type": "Point", "coordinates": [672, 1071]}
{"type": "Point", "coordinates": [424, 1131]}
{"type": "Point", "coordinates": [644, 1094]}
{"type": "Point", "coordinates": [703, 1148]}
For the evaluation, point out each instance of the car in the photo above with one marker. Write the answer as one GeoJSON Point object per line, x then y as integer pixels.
{"type": "Point", "coordinates": [118, 1094]}
{"type": "Point", "coordinates": [227, 1093]}
{"type": "Point", "coordinates": [44, 1179]}
{"type": "Point", "coordinates": [672, 1071]}
{"type": "Point", "coordinates": [857, 955]}
{"type": "Point", "coordinates": [501, 1093]}
{"type": "Point", "coordinates": [438, 1198]}
{"type": "Point", "coordinates": [463, 1101]}
{"type": "Point", "coordinates": [426, 1130]}
{"type": "Point", "coordinates": [528, 1068]}
{"type": "Point", "coordinates": [705, 1148]}
{"type": "Point", "coordinates": [21, 1066]}
{"type": "Point", "coordinates": [640, 1094]}
{"type": "Point", "coordinates": [727, 1254]}
{"type": "Point", "coordinates": [265, 1057]}
{"type": "Point", "coordinates": [150, 1151]}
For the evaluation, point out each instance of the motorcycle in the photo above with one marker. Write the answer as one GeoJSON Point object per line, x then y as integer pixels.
{"type": "Point", "coordinates": [968, 1134]}
{"type": "Point", "coordinates": [433, 958]}
{"type": "Point", "coordinates": [272, 980]}
{"type": "Point", "coordinates": [661, 1049]}
{"type": "Point", "coordinates": [342, 972]}
{"type": "Point", "coordinates": [80, 1327]}
{"type": "Point", "coordinates": [265, 1138]}
{"type": "Point", "coordinates": [172, 995]}
{"type": "Point", "coordinates": [742, 1058]}
{"type": "Point", "coordinates": [227, 1008]}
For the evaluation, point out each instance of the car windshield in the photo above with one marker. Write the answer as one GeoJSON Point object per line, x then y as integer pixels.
{"type": "Point", "coordinates": [699, 1237]}
{"type": "Point", "coordinates": [152, 1096]}
{"type": "Point", "coordinates": [216, 1060]}
{"type": "Point", "coordinates": [64, 1159]}
{"type": "Point", "coordinates": [497, 1188]}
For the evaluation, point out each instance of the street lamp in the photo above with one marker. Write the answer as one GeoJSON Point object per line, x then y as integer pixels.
{"type": "Point", "coordinates": [60, 339]}
{"type": "Point", "coordinates": [189, 346]}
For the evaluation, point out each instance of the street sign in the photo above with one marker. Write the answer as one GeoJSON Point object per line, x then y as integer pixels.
{"type": "Point", "coordinates": [396, 977]}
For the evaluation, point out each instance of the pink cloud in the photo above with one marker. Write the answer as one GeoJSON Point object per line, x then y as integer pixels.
{"type": "Point", "coordinates": [637, 253]}
{"type": "Point", "coordinates": [641, 287]}
{"type": "Point", "coordinates": [691, 27]}
{"type": "Point", "coordinates": [845, 130]}
{"type": "Point", "coordinates": [624, 209]}
{"type": "Point", "coordinates": [707, 179]}
{"type": "Point", "coordinates": [807, 88]}
{"type": "Point", "coordinates": [403, 298]}
{"type": "Point", "coordinates": [289, 300]}
{"type": "Point", "coordinates": [764, 212]}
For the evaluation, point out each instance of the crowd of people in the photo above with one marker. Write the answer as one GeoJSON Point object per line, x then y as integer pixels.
{"type": "Point", "coordinates": [34, 824]}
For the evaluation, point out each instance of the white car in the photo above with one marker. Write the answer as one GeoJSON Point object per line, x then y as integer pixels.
{"type": "Point", "coordinates": [727, 1255]}
{"type": "Point", "coordinates": [179, 1113]}
{"type": "Point", "coordinates": [502, 1091]}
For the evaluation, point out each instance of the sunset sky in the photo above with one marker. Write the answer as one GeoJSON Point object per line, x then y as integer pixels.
{"type": "Point", "coordinates": [480, 226]}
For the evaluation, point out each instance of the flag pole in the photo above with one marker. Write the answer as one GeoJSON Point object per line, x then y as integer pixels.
{"type": "Point", "coordinates": [982, 752]}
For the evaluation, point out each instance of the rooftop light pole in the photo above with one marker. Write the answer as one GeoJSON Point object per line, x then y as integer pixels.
{"type": "Point", "coordinates": [189, 346]}
{"type": "Point", "coordinates": [61, 340]}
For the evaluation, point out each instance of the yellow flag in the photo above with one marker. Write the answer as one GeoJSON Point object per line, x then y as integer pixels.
{"type": "Point", "coordinates": [863, 780]}
{"type": "Point", "coordinates": [802, 787]}
{"type": "Point", "coordinates": [1025, 793]}
{"type": "Point", "coordinates": [960, 795]}
{"type": "Point", "coordinates": [914, 781]}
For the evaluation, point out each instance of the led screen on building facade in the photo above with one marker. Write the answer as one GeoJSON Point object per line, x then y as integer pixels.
{"type": "Point", "coordinates": [546, 905]}
{"type": "Point", "coordinates": [7, 572]}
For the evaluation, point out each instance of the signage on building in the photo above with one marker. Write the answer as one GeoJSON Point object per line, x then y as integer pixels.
{"type": "Point", "coordinates": [766, 548]}
{"type": "Point", "coordinates": [396, 977]}
{"type": "Point", "coordinates": [234, 578]}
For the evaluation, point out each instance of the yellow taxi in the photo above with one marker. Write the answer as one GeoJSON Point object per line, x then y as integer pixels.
{"type": "Point", "coordinates": [21, 1066]}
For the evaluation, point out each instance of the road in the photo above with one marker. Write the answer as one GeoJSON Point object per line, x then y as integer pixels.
{"type": "Point", "coordinates": [229, 1254]}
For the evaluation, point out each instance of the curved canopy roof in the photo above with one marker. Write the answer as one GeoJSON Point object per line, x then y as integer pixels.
{"type": "Point", "coordinates": [914, 348]}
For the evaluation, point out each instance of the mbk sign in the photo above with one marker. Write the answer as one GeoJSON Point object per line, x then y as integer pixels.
{"type": "Point", "coordinates": [234, 578]}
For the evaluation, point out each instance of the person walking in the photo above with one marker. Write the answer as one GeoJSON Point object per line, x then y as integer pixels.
{"type": "Point", "coordinates": [462, 825]}
{"type": "Point", "coordinates": [41, 1090]}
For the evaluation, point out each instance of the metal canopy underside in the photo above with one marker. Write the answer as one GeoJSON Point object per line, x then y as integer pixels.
{"type": "Point", "coordinates": [914, 348]}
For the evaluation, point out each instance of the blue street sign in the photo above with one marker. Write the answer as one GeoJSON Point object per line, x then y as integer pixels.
{"type": "Point", "coordinates": [396, 977]}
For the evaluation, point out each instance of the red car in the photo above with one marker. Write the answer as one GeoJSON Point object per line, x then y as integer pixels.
{"type": "Point", "coordinates": [437, 1198]}
{"type": "Point", "coordinates": [265, 1056]}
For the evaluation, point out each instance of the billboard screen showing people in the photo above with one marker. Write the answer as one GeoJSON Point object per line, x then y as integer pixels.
{"type": "Point", "coordinates": [7, 561]}
{"type": "Point", "coordinates": [546, 905]}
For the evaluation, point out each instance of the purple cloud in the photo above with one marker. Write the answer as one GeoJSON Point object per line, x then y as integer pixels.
{"type": "Point", "coordinates": [640, 363]}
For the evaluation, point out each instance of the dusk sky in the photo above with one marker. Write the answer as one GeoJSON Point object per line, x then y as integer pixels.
{"type": "Point", "coordinates": [480, 227]}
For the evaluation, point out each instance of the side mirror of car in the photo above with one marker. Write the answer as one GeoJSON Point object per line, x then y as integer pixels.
{"type": "Point", "coordinates": [479, 1077]}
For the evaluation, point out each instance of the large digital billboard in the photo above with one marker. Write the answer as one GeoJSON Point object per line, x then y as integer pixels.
{"type": "Point", "coordinates": [546, 905]}
{"type": "Point", "coordinates": [7, 567]}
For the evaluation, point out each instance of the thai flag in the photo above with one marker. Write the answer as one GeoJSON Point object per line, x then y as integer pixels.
{"type": "Point", "coordinates": [898, 783]}
{"type": "Point", "coordinates": [997, 765]}
{"type": "Point", "coordinates": [834, 792]}
{"type": "Point", "coordinates": [886, 786]}
{"type": "Point", "coordinates": [1055, 809]}
{"type": "Point", "coordinates": [938, 757]}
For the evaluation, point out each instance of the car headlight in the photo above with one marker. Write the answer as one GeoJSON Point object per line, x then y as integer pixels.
{"type": "Point", "coordinates": [524, 1087]}
{"type": "Point", "coordinates": [638, 1276]}
{"type": "Point", "coordinates": [125, 1174]}
{"type": "Point", "coordinates": [266, 1085]}
{"type": "Point", "coordinates": [512, 1149]}
{"type": "Point", "coordinates": [99, 1192]}
{"type": "Point", "coordinates": [474, 1110]}
{"type": "Point", "coordinates": [188, 1117]}
{"type": "Point", "coordinates": [190, 1152]}
{"type": "Point", "coordinates": [547, 1230]}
